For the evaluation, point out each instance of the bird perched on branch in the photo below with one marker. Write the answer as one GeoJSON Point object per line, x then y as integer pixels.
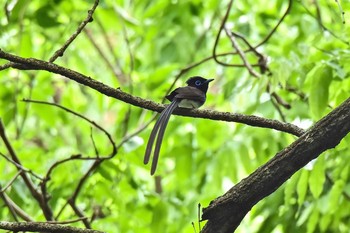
{"type": "Point", "coordinates": [191, 96]}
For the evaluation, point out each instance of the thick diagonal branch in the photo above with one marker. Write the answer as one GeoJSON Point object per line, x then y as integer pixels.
{"type": "Point", "coordinates": [226, 212]}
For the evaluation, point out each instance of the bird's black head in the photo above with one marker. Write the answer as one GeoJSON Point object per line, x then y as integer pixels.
{"type": "Point", "coordinates": [199, 82]}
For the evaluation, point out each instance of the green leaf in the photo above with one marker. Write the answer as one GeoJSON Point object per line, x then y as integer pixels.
{"type": "Point", "coordinates": [317, 177]}
{"type": "Point", "coordinates": [334, 196]}
{"type": "Point", "coordinates": [19, 7]}
{"type": "Point", "coordinates": [104, 173]}
{"type": "Point", "coordinates": [313, 220]}
{"type": "Point", "coordinates": [344, 174]}
{"type": "Point", "coordinates": [302, 187]}
{"type": "Point", "coordinates": [324, 222]}
{"type": "Point", "coordinates": [160, 213]}
{"type": "Point", "coordinates": [46, 16]}
{"type": "Point", "coordinates": [305, 215]}
{"type": "Point", "coordinates": [289, 191]}
{"type": "Point", "coordinates": [26, 45]}
{"type": "Point", "coordinates": [245, 158]}
{"type": "Point", "coordinates": [320, 78]}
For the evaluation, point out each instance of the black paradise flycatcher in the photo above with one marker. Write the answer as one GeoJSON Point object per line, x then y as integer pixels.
{"type": "Point", "coordinates": [191, 96]}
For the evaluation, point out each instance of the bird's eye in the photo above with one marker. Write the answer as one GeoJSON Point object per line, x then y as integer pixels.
{"type": "Point", "coordinates": [198, 83]}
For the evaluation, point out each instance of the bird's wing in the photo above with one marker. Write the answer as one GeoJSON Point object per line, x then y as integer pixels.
{"type": "Point", "coordinates": [188, 92]}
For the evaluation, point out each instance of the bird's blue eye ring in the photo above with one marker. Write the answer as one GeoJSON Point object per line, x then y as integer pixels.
{"type": "Point", "coordinates": [198, 83]}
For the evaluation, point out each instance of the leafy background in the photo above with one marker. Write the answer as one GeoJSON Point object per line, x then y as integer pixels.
{"type": "Point", "coordinates": [140, 47]}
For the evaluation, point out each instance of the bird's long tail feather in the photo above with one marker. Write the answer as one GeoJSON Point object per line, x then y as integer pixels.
{"type": "Point", "coordinates": [158, 131]}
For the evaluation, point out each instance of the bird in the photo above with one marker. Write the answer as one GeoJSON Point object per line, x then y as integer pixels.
{"type": "Point", "coordinates": [191, 96]}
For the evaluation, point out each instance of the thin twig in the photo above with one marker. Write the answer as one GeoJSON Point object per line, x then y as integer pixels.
{"type": "Point", "coordinates": [241, 53]}
{"type": "Point", "coordinates": [114, 149]}
{"type": "Point", "coordinates": [280, 101]}
{"type": "Point", "coordinates": [24, 118]}
{"type": "Point", "coordinates": [6, 66]}
{"type": "Point", "coordinates": [60, 52]}
{"type": "Point", "coordinates": [72, 199]}
{"type": "Point", "coordinates": [289, 7]}
{"type": "Point", "coordinates": [278, 109]}
{"type": "Point", "coordinates": [98, 160]}
{"type": "Point", "coordinates": [20, 167]}
{"type": "Point", "coordinates": [110, 47]}
{"type": "Point", "coordinates": [16, 209]}
{"type": "Point", "coordinates": [93, 142]}
{"type": "Point", "coordinates": [261, 58]}
{"type": "Point", "coordinates": [136, 132]}
{"type": "Point", "coordinates": [33, 190]}
{"type": "Point", "coordinates": [219, 33]}
{"type": "Point", "coordinates": [323, 26]}
{"type": "Point", "coordinates": [10, 182]}
{"type": "Point", "coordinates": [341, 11]}
{"type": "Point", "coordinates": [61, 210]}
{"type": "Point", "coordinates": [7, 203]}
{"type": "Point", "coordinates": [116, 72]}
{"type": "Point", "coordinates": [67, 221]}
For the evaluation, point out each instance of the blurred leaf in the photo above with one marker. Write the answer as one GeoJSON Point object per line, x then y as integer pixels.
{"type": "Point", "coordinates": [313, 221]}
{"type": "Point", "coordinates": [246, 161]}
{"type": "Point", "coordinates": [334, 195]}
{"type": "Point", "coordinates": [26, 45]}
{"type": "Point", "coordinates": [317, 177]}
{"type": "Point", "coordinates": [320, 78]}
{"type": "Point", "coordinates": [305, 215]}
{"type": "Point", "coordinates": [19, 7]}
{"type": "Point", "coordinates": [302, 187]}
{"type": "Point", "coordinates": [46, 16]}
{"type": "Point", "coordinates": [289, 191]}
{"type": "Point", "coordinates": [105, 173]}
{"type": "Point", "coordinates": [160, 213]}
{"type": "Point", "coordinates": [324, 222]}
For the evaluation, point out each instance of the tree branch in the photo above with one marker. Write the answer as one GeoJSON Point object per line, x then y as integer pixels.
{"type": "Point", "coordinates": [226, 212]}
{"type": "Point", "coordinates": [15, 209]}
{"type": "Point", "coordinates": [240, 52]}
{"type": "Point", "coordinates": [60, 52]}
{"type": "Point", "coordinates": [35, 64]}
{"type": "Point", "coordinates": [47, 211]}
{"type": "Point", "coordinates": [42, 227]}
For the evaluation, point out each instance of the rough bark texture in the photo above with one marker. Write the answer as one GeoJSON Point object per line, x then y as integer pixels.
{"type": "Point", "coordinates": [43, 227]}
{"type": "Point", "coordinates": [35, 64]}
{"type": "Point", "coordinates": [226, 212]}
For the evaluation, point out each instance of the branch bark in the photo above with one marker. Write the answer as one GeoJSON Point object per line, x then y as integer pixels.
{"type": "Point", "coordinates": [35, 64]}
{"type": "Point", "coordinates": [42, 227]}
{"type": "Point", "coordinates": [225, 213]}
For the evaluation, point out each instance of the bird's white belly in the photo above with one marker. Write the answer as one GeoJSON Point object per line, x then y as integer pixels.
{"type": "Point", "coordinates": [185, 103]}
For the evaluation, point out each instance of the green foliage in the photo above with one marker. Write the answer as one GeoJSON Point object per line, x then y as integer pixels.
{"type": "Point", "coordinates": [145, 45]}
{"type": "Point", "coordinates": [319, 79]}
{"type": "Point", "coordinates": [317, 177]}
